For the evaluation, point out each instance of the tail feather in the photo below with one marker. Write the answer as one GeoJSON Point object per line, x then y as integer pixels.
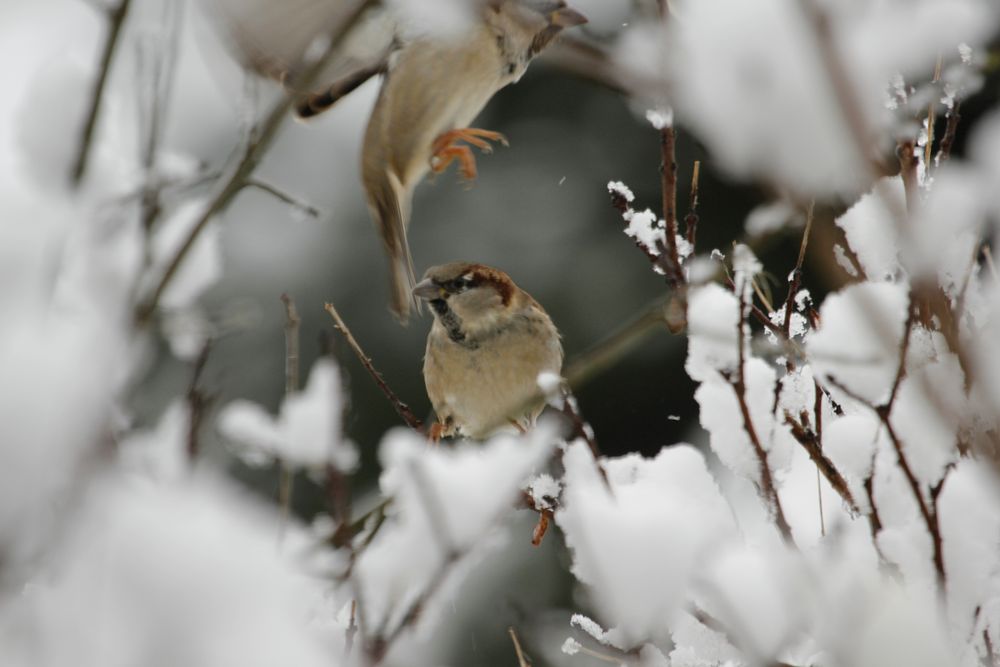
{"type": "Point", "coordinates": [390, 209]}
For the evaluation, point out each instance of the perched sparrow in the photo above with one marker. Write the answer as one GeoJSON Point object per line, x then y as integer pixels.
{"type": "Point", "coordinates": [434, 87]}
{"type": "Point", "coordinates": [489, 342]}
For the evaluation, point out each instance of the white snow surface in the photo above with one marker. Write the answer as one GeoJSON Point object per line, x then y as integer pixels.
{"type": "Point", "coordinates": [447, 503]}
{"type": "Point", "coordinates": [308, 430]}
{"type": "Point", "coordinates": [637, 546]}
{"type": "Point", "coordinates": [766, 107]}
{"type": "Point", "coordinates": [858, 340]}
{"type": "Point", "coordinates": [147, 565]}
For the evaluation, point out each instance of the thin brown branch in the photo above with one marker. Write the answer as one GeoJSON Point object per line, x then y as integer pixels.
{"type": "Point", "coordinates": [583, 430]}
{"type": "Point", "coordinates": [906, 154]}
{"type": "Point", "coordinates": [197, 401]}
{"type": "Point", "coordinates": [522, 660]}
{"type": "Point", "coordinates": [402, 409]}
{"type": "Point", "coordinates": [616, 345]}
{"type": "Point", "coordinates": [931, 117]}
{"type": "Point", "coordinates": [668, 174]}
{"type": "Point", "coordinates": [901, 364]}
{"type": "Point", "coordinates": [691, 219]}
{"type": "Point", "coordinates": [883, 414]}
{"type": "Point", "coordinates": [286, 475]}
{"type": "Point", "coordinates": [738, 384]}
{"type": "Point", "coordinates": [352, 630]}
{"type": "Point", "coordinates": [283, 196]}
{"type": "Point", "coordinates": [952, 118]}
{"type": "Point", "coordinates": [988, 255]}
{"type": "Point", "coordinates": [818, 419]}
{"type": "Point", "coordinates": [874, 519]}
{"type": "Point", "coordinates": [251, 158]}
{"type": "Point", "coordinates": [811, 442]}
{"type": "Point", "coordinates": [116, 19]}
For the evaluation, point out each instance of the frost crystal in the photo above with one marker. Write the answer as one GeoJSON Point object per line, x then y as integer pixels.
{"type": "Point", "coordinates": [622, 189]}
{"type": "Point", "coordinates": [647, 230]}
{"type": "Point", "coordinates": [570, 646]}
{"type": "Point", "coordinates": [544, 490]}
{"type": "Point", "coordinates": [660, 118]}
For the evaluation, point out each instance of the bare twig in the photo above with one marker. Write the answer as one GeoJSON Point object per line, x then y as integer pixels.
{"type": "Point", "coordinates": [197, 402]}
{"type": "Point", "coordinates": [796, 278]}
{"type": "Point", "coordinates": [929, 146]}
{"type": "Point", "coordinates": [616, 345]}
{"type": "Point", "coordinates": [352, 630]}
{"type": "Point", "coordinates": [691, 219]}
{"type": "Point", "coordinates": [952, 118]}
{"type": "Point", "coordinates": [988, 255]}
{"type": "Point", "coordinates": [251, 158]}
{"type": "Point", "coordinates": [402, 409]}
{"type": "Point", "coordinates": [738, 382]}
{"type": "Point", "coordinates": [286, 481]}
{"type": "Point", "coordinates": [668, 171]}
{"type": "Point", "coordinates": [818, 418]}
{"type": "Point", "coordinates": [522, 660]}
{"type": "Point", "coordinates": [883, 412]}
{"type": "Point", "coordinates": [281, 195]}
{"type": "Point", "coordinates": [116, 19]}
{"type": "Point", "coordinates": [811, 443]}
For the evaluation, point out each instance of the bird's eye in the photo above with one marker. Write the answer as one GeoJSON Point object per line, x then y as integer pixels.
{"type": "Point", "coordinates": [460, 284]}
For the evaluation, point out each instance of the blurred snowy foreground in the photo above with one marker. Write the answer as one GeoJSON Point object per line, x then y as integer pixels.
{"type": "Point", "coordinates": [845, 513]}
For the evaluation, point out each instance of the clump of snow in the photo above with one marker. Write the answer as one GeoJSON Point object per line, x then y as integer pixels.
{"type": "Point", "coordinates": [570, 646]}
{"type": "Point", "coordinates": [720, 415]}
{"type": "Point", "coordinates": [859, 337]}
{"type": "Point", "coordinates": [308, 430]}
{"type": "Point", "coordinates": [872, 227]}
{"type": "Point", "coordinates": [590, 626]}
{"type": "Point", "coordinates": [660, 119]}
{"type": "Point", "coordinates": [766, 107]}
{"type": "Point", "coordinates": [669, 505]}
{"type": "Point", "coordinates": [161, 452]}
{"type": "Point", "coordinates": [193, 561]}
{"type": "Point", "coordinates": [946, 227]}
{"type": "Point", "coordinates": [713, 343]}
{"type": "Point", "coordinates": [549, 382]}
{"type": "Point", "coordinates": [544, 491]}
{"type": "Point", "coordinates": [647, 230]}
{"type": "Point", "coordinates": [850, 443]}
{"type": "Point", "coordinates": [843, 261]}
{"type": "Point", "coordinates": [617, 187]}
{"type": "Point", "coordinates": [926, 416]}
{"type": "Point", "coordinates": [447, 503]}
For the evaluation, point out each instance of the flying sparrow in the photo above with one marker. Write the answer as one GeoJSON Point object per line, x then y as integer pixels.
{"type": "Point", "coordinates": [433, 89]}
{"type": "Point", "coordinates": [489, 342]}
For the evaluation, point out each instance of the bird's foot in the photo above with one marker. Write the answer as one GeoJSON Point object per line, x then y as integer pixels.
{"type": "Point", "coordinates": [445, 150]}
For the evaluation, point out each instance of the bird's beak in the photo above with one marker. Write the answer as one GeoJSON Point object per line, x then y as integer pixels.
{"type": "Point", "coordinates": [427, 290]}
{"type": "Point", "coordinates": [566, 17]}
